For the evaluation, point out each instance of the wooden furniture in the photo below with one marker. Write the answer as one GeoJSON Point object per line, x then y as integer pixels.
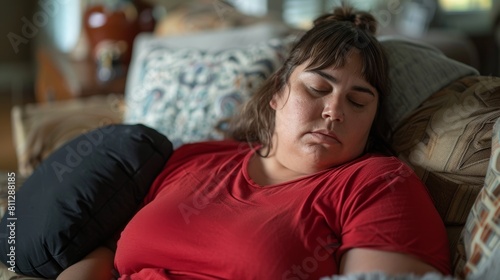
{"type": "Point", "coordinates": [60, 78]}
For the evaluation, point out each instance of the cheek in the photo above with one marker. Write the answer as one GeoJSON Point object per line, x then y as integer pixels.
{"type": "Point", "coordinates": [298, 114]}
{"type": "Point", "coordinates": [368, 122]}
{"type": "Point", "coordinates": [294, 107]}
{"type": "Point", "coordinates": [361, 125]}
{"type": "Point", "coordinates": [292, 117]}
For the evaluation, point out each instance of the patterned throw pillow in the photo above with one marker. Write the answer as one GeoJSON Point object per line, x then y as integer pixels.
{"type": "Point", "coordinates": [481, 234]}
{"type": "Point", "coordinates": [185, 92]}
{"type": "Point", "coordinates": [447, 141]}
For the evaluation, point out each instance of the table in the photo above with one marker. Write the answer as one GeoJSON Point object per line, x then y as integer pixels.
{"type": "Point", "coordinates": [60, 77]}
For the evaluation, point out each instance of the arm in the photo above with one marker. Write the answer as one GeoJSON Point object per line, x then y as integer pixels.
{"type": "Point", "coordinates": [390, 224]}
{"type": "Point", "coordinates": [360, 260]}
{"type": "Point", "coordinates": [96, 265]}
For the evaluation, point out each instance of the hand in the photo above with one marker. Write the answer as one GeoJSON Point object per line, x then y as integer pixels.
{"type": "Point", "coordinates": [99, 264]}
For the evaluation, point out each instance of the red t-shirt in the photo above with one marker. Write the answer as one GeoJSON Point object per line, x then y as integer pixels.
{"type": "Point", "coordinates": [204, 218]}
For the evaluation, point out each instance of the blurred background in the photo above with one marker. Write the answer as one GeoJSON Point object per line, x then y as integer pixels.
{"type": "Point", "coordinates": [63, 49]}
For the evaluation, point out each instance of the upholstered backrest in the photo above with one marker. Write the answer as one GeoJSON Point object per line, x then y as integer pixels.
{"type": "Point", "coordinates": [447, 141]}
{"type": "Point", "coordinates": [442, 114]}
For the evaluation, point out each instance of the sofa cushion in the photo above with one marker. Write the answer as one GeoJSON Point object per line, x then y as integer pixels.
{"type": "Point", "coordinates": [447, 141]}
{"type": "Point", "coordinates": [481, 235]}
{"type": "Point", "coordinates": [79, 197]}
{"type": "Point", "coordinates": [416, 71]}
{"type": "Point", "coordinates": [39, 129]}
{"type": "Point", "coordinates": [185, 86]}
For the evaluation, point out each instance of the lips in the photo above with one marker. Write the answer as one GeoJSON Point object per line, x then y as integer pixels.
{"type": "Point", "coordinates": [325, 136]}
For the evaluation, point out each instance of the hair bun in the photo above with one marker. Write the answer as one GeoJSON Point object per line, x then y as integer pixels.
{"type": "Point", "coordinates": [360, 19]}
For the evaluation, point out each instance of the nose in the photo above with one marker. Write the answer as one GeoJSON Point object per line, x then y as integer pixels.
{"type": "Point", "coordinates": [332, 110]}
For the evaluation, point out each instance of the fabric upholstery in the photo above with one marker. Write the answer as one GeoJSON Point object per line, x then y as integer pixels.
{"type": "Point", "coordinates": [447, 141]}
{"type": "Point", "coordinates": [489, 266]}
{"type": "Point", "coordinates": [416, 72]}
{"type": "Point", "coordinates": [41, 129]}
{"type": "Point", "coordinates": [384, 276]}
{"type": "Point", "coordinates": [481, 234]}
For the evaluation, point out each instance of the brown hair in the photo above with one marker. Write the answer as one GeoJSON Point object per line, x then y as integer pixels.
{"type": "Point", "coordinates": [329, 43]}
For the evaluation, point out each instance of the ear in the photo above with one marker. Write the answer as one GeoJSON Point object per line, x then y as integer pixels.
{"type": "Point", "coordinates": [274, 103]}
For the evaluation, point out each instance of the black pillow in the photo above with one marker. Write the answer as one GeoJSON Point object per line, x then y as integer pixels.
{"type": "Point", "coordinates": [79, 197]}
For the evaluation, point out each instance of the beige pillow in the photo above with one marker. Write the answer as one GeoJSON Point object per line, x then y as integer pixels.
{"type": "Point", "coordinates": [447, 141]}
{"type": "Point", "coordinates": [39, 129]}
{"type": "Point", "coordinates": [416, 70]}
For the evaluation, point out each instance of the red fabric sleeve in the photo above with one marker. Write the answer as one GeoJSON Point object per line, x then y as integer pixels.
{"type": "Point", "coordinates": [393, 211]}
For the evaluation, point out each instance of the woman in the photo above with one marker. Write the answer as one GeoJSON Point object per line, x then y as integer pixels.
{"type": "Point", "coordinates": [310, 197]}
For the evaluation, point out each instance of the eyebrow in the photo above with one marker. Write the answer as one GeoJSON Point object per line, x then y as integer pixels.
{"type": "Point", "coordinates": [335, 81]}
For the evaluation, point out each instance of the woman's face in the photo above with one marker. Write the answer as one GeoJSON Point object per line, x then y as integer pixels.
{"type": "Point", "coordinates": [323, 117]}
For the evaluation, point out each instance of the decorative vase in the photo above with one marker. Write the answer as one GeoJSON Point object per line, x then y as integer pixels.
{"type": "Point", "coordinates": [111, 27]}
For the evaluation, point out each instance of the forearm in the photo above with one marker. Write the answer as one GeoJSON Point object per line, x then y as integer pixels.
{"type": "Point", "coordinates": [359, 260]}
{"type": "Point", "coordinates": [97, 265]}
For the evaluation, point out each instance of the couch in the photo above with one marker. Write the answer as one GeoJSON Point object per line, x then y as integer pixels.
{"type": "Point", "coordinates": [444, 114]}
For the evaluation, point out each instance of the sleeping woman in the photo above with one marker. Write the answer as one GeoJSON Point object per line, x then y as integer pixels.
{"type": "Point", "coordinates": [305, 189]}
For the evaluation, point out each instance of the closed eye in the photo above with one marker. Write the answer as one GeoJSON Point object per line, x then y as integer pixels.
{"type": "Point", "coordinates": [318, 91]}
{"type": "Point", "coordinates": [355, 104]}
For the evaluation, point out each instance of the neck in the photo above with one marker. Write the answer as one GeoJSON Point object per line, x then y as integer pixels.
{"type": "Point", "coordinates": [267, 171]}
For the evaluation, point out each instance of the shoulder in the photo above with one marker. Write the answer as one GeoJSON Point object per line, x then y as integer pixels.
{"type": "Point", "coordinates": [207, 153]}
{"type": "Point", "coordinates": [211, 147]}
{"type": "Point", "coordinates": [377, 159]}
{"type": "Point", "coordinates": [200, 157]}
{"type": "Point", "coordinates": [376, 173]}
{"type": "Point", "coordinates": [376, 165]}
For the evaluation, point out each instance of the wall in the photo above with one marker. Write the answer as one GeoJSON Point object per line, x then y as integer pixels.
{"type": "Point", "coordinates": [16, 48]}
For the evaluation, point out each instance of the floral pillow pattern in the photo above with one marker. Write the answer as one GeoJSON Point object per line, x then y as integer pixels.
{"type": "Point", "coordinates": [185, 93]}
